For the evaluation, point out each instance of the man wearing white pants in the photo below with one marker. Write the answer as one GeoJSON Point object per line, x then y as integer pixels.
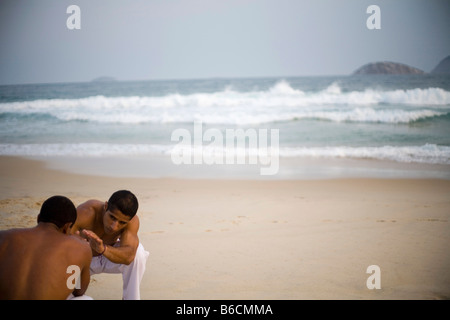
{"type": "Point", "coordinates": [111, 228]}
{"type": "Point", "coordinates": [131, 274]}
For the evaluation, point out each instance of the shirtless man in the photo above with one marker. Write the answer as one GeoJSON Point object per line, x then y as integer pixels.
{"type": "Point", "coordinates": [111, 228]}
{"type": "Point", "coordinates": [34, 262]}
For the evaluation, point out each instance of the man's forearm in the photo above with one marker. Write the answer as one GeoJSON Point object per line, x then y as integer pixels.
{"type": "Point", "coordinates": [120, 255]}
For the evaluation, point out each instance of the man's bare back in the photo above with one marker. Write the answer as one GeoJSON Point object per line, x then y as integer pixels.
{"type": "Point", "coordinates": [35, 261]}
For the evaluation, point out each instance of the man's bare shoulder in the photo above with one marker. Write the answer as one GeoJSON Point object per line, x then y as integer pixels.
{"type": "Point", "coordinates": [14, 233]}
{"type": "Point", "coordinates": [79, 242]}
{"type": "Point", "coordinates": [76, 240]}
{"type": "Point", "coordinates": [14, 238]}
{"type": "Point", "coordinates": [6, 236]}
{"type": "Point", "coordinates": [133, 225]}
{"type": "Point", "coordinates": [78, 246]}
{"type": "Point", "coordinates": [86, 213]}
{"type": "Point", "coordinates": [89, 207]}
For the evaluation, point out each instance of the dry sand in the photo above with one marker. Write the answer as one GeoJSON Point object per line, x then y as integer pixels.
{"type": "Point", "coordinates": [230, 239]}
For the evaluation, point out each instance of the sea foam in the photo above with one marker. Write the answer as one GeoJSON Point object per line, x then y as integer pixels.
{"type": "Point", "coordinates": [427, 154]}
{"type": "Point", "coordinates": [281, 102]}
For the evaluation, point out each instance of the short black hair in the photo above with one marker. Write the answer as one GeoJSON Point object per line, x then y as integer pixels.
{"type": "Point", "coordinates": [58, 210]}
{"type": "Point", "coordinates": [125, 201]}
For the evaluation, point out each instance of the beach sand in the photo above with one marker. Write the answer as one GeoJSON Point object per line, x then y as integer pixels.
{"type": "Point", "coordinates": [262, 239]}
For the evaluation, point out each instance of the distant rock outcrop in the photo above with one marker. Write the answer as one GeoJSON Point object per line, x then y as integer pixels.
{"type": "Point", "coordinates": [387, 68]}
{"type": "Point", "coordinates": [443, 67]}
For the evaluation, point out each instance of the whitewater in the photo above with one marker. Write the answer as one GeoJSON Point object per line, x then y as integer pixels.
{"type": "Point", "coordinates": [403, 119]}
{"type": "Point", "coordinates": [280, 103]}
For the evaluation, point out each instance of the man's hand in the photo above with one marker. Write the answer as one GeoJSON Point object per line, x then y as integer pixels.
{"type": "Point", "coordinates": [94, 240]}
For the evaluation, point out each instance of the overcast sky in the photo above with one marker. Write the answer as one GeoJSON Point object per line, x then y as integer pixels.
{"type": "Point", "coordinates": [179, 39]}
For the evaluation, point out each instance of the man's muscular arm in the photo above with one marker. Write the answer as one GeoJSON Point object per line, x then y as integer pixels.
{"type": "Point", "coordinates": [85, 216]}
{"type": "Point", "coordinates": [85, 256]}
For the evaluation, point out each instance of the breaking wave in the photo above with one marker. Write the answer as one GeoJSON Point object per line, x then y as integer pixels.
{"type": "Point", "coordinates": [281, 102]}
{"type": "Point", "coordinates": [428, 153]}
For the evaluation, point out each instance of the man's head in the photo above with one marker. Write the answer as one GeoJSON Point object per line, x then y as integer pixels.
{"type": "Point", "coordinates": [124, 201]}
{"type": "Point", "coordinates": [58, 210]}
{"type": "Point", "coordinates": [121, 207]}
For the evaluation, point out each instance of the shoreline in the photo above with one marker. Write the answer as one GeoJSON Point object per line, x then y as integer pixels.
{"type": "Point", "coordinates": [160, 167]}
{"type": "Point", "coordinates": [262, 239]}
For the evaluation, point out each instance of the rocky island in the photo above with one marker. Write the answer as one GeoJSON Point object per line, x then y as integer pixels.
{"type": "Point", "coordinates": [443, 67]}
{"type": "Point", "coordinates": [387, 68]}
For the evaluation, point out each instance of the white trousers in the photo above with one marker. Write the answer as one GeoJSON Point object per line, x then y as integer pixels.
{"type": "Point", "coordinates": [83, 297]}
{"type": "Point", "coordinates": [131, 274]}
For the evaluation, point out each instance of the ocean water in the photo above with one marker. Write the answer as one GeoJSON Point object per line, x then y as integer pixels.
{"type": "Point", "coordinates": [394, 119]}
